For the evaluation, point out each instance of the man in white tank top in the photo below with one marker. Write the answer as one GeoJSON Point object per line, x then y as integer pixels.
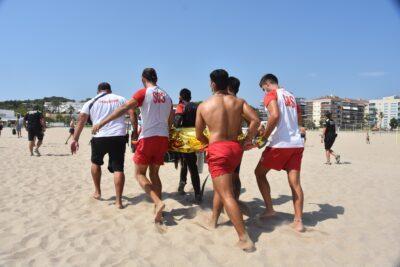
{"type": "Point", "coordinates": [285, 149]}
{"type": "Point", "coordinates": [157, 115]}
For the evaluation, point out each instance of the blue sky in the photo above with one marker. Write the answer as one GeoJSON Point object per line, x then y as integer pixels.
{"type": "Point", "coordinates": [349, 48]}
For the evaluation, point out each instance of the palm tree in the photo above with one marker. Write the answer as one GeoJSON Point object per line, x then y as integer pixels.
{"type": "Point", "coordinates": [380, 120]}
{"type": "Point", "coordinates": [71, 110]}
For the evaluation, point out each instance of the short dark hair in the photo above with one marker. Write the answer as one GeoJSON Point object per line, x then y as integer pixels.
{"type": "Point", "coordinates": [268, 77]}
{"type": "Point", "coordinates": [220, 78]}
{"type": "Point", "coordinates": [185, 94]}
{"type": "Point", "coordinates": [104, 87]}
{"type": "Point", "coordinates": [328, 114]}
{"type": "Point", "coordinates": [150, 75]}
{"type": "Point", "coordinates": [233, 84]}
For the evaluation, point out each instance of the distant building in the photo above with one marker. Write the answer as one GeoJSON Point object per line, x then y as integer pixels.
{"type": "Point", "coordinates": [7, 115]}
{"type": "Point", "coordinates": [381, 111]}
{"type": "Point", "coordinates": [64, 107]}
{"type": "Point", "coordinates": [347, 113]}
{"type": "Point", "coordinates": [262, 112]}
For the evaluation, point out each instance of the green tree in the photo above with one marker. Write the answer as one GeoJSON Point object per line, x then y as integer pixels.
{"type": "Point", "coordinates": [71, 110]}
{"type": "Point", "coordinates": [393, 123]}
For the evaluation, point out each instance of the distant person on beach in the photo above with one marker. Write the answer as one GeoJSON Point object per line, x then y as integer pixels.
{"type": "Point", "coordinates": [367, 138]}
{"type": "Point", "coordinates": [329, 134]}
{"type": "Point", "coordinates": [222, 113]}
{"type": "Point", "coordinates": [71, 129]}
{"type": "Point", "coordinates": [185, 116]}
{"type": "Point", "coordinates": [19, 124]}
{"type": "Point", "coordinates": [157, 117]}
{"type": "Point", "coordinates": [1, 126]}
{"type": "Point", "coordinates": [111, 139]}
{"type": "Point", "coordinates": [36, 126]}
{"type": "Point", "coordinates": [285, 150]}
{"type": "Point", "coordinates": [233, 89]}
{"type": "Point", "coordinates": [303, 133]}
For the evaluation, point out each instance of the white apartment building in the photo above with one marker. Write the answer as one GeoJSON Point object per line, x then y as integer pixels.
{"type": "Point", "coordinates": [388, 106]}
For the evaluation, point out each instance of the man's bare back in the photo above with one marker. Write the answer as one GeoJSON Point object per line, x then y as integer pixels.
{"type": "Point", "coordinates": [223, 115]}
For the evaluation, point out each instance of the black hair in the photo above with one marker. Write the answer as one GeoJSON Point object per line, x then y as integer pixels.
{"type": "Point", "coordinates": [104, 87]}
{"type": "Point", "coordinates": [150, 75]}
{"type": "Point", "coordinates": [185, 94]}
{"type": "Point", "coordinates": [268, 77]}
{"type": "Point", "coordinates": [220, 78]}
{"type": "Point", "coordinates": [328, 114]}
{"type": "Point", "coordinates": [234, 84]}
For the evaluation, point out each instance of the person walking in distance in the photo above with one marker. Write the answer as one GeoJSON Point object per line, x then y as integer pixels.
{"type": "Point", "coordinates": [35, 125]}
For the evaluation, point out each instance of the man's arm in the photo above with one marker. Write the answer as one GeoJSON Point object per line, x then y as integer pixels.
{"type": "Point", "coordinates": [273, 118]}
{"type": "Point", "coordinates": [171, 118]}
{"type": "Point", "coordinates": [200, 126]}
{"type": "Point", "coordinates": [299, 117]}
{"type": "Point", "coordinates": [251, 117]}
{"type": "Point", "coordinates": [79, 127]}
{"type": "Point", "coordinates": [130, 104]}
{"type": "Point", "coordinates": [134, 122]}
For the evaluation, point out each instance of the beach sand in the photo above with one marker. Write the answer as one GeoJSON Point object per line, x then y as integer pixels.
{"type": "Point", "coordinates": [48, 218]}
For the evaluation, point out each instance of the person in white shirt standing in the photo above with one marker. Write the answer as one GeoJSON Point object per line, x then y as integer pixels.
{"type": "Point", "coordinates": [111, 139]}
{"type": "Point", "coordinates": [157, 116]}
{"type": "Point", "coordinates": [285, 150]}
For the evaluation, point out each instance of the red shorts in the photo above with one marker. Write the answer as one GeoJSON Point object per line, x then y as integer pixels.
{"type": "Point", "coordinates": [223, 157]}
{"type": "Point", "coordinates": [151, 150]}
{"type": "Point", "coordinates": [282, 158]}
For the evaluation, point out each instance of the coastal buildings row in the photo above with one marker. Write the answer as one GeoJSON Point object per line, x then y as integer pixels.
{"type": "Point", "coordinates": [347, 113]}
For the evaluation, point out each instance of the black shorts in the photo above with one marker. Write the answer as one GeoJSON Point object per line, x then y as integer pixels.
{"type": "Point", "coordinates": [114, 146]}
{"type": "Point", "coordinates": [32, 133]}
{"type": "Point", "coordinates": [71, 130]}
{"type": "Point", "coordinates": [328, 141]}
{"type": "Point", "coordinates": [303, 135]}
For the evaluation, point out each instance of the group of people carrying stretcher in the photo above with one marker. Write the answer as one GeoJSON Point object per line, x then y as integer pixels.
{"type": "Point", "coordinates": [222, 115]}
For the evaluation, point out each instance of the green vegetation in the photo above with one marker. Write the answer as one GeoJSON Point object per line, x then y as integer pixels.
{"type": "Point", "coordinates": [22, 106]}
{"type": "Point", "coordinates": [393, 123]}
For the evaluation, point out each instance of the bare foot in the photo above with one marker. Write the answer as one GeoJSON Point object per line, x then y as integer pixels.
{"type": "Point", "coordinates": [267, 214]}
{"type": "Point", "coordinates": [160, 227]}
{"type": "Point", "coordinates": [209, 224]}
{"type": "Point", "coordinates": [158, 211]}
{"type": "Point", "coordinates": [97, 195]}
{"type": "Point", "coordinates": [246, 244]}
{"type": "Point", "coordinates": [298, 225]}
{"type": "Point", "coordinates": [119, 205]}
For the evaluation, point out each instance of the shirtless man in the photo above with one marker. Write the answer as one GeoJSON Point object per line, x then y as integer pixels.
{"type": "Point", "coordinates": [285, 150]}
{"type": "Point", "coordinates": [222, 114]}
{"type": "Point", "coordinates": [157, 117]}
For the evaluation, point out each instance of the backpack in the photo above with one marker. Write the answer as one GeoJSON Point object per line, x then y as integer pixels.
{"type": "Point", "coordinates": [189, 115]}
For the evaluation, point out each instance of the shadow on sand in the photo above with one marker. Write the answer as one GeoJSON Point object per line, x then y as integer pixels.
{"type": "Point", "coordinates": [56, 155]}
{"type": "Point", "coordinates": [254, 224]}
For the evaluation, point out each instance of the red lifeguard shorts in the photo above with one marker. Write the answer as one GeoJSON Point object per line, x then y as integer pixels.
{"type": "Point", "coordinates": [151, 150]}
{"type": "Point", "coordinates": [282, 158]}
{"type": "Point", "coordinates": [223, 157]}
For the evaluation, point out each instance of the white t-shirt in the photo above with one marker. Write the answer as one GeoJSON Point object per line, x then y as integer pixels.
{"type": "Point", "coordinates": [287, 132]}
{"type": "Point", "coordinates": [103, 107]}
{"type": "Point", "coordinates": [155, 107]}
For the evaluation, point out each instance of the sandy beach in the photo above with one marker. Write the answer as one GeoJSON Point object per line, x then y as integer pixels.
{"type": "Point", "coordinates": [48, 218]}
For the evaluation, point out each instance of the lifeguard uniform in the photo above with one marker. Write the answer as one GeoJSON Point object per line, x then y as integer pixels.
{"type": "Point", "coordinates": [155, 107]}
{"type": "Point", "coordinates": [285, 150]}
{"type": "Point", "coordinates": [223, 157]}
